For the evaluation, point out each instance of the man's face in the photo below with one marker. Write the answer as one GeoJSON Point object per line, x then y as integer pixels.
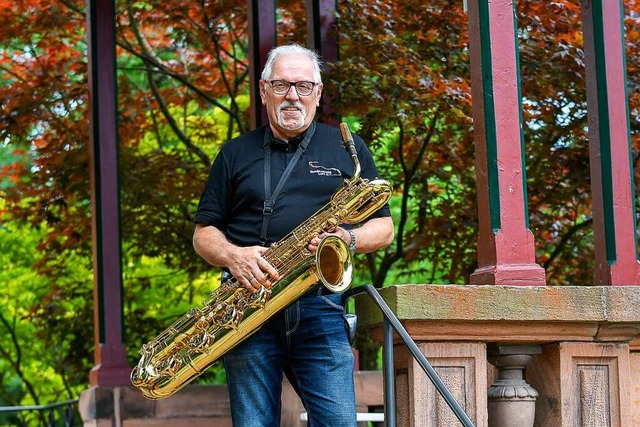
{"type": "Point", "coordinates": [290, 114]}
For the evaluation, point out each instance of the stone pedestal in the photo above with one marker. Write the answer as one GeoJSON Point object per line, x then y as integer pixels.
{"type": "Point", "coordinates": [582, 374]}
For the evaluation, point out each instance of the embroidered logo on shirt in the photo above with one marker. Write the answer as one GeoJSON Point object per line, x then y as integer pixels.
{"type": "Point", "coordinates": [323, 171]}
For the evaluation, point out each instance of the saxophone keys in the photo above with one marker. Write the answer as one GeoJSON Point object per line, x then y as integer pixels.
{"type": "Point", "coordinates": [200, 343]}
{"type": "Point", "coordinates": [228, 317]}
{"type": "Point", "coordinates": [332, 223]}
{"type": "Point", "coordinates": [169, 367]}
{"type": "Point", "coordinates": [259, 298]}
{"type": "Point", "coordinates": [202, 324]}
{"type": "Point", "coordinates": [267, 295]}
{"type": "Point", "coordinates": [146, 349]}
{"type": "Point", "coordinates": [138, 376]}
{"type": "Point", "coordinates": [180, 343]}
{"type": "Point", "coordinates": [209, 340]}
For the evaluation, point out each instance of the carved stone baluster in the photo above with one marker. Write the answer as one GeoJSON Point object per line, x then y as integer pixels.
{"type": "Point", "coordinates": [511, 401]}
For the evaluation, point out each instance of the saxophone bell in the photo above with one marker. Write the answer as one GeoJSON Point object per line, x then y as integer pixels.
{"type": "Point", "coordinates": [334, 263]}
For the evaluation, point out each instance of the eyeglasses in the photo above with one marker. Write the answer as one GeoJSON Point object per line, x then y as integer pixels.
{"type": "Point", "coordinates": [281, 87]}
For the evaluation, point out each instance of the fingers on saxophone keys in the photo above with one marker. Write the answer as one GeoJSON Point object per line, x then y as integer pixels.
{"type": "Point", "coordinates": [254, 282]}
{"type": "Point", "coordinates": [251, 283]}
{"type": "Point", "coordinates": [264, 280]}
{"type": "Point", "coordinates": [269, 272]}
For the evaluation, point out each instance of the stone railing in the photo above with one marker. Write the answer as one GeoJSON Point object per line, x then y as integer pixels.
{"type": "Point", "coordinates": [511, 356]}
{"type": "Point", "coordinates": [516, 356]}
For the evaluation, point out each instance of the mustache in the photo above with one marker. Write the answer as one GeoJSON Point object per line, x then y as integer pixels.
{"type": "Point", "coordinates": [288, 104]}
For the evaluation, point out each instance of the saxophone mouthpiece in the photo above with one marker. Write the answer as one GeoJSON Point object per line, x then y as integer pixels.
{"type": "Point", "coordinates": [351, 148]}
{"type": "Point", "coordinates": [348, 139]}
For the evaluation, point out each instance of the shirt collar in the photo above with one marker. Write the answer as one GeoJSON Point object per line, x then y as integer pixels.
{"type": "Point", "coordinates": [293, 141]}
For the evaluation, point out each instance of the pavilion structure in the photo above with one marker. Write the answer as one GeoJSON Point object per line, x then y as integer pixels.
{"type": "Point", "coordinates": [512, 350]}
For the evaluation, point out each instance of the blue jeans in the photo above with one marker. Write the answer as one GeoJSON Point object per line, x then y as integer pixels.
{"type": "Point", "coordinates": [307, 342]}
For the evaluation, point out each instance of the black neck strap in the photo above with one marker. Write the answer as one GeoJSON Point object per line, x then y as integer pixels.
{"type": "Point", "coordinates": [270, 198]}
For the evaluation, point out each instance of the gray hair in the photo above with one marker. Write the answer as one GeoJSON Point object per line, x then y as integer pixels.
{"type": "Point", "coordinates": [292, 49]}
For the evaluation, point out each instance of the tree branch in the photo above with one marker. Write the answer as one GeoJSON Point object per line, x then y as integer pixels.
{"type": "Point", "coordinates": [563, 241]}
{"type": "Point", "coordinates": [17, 361]}
{"type": "Point", "coordinates": [161, 102]}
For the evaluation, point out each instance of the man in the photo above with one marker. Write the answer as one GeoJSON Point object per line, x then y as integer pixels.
{"type": "Point", "coordinates": [307, 341]}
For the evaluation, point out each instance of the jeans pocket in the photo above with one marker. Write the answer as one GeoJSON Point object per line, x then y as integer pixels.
{"type": "Point", "coordinates": [351, 324]}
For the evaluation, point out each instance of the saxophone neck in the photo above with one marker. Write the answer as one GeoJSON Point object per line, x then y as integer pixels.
{"type": "Point", "coordinates": [351, 148]}
{"type": "Point", "coordinates": [356, 167]}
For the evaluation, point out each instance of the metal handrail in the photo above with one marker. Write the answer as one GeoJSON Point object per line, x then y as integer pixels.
{"type": "Point", "coordinates": [69, 414]}
{"type": "Point", "coordinates": [389, 324]}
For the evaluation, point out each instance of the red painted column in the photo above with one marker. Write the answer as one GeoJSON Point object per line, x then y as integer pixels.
{"type": "Point", "coordinates": [262, 38]}
{"type": "Point", "coordinates": [610, 145]}
{"type": "Point", "coordinates": [111, 367]}
{"type": "Point", "coordinates": [506, 252]}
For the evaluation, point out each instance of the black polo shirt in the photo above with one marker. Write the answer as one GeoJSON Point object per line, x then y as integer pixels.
{"type": "Point", "coordinates": [233, 198]}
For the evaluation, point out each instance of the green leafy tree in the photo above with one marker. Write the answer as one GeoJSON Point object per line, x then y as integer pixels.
{"type": "Point", "coordinates": [404, 72]}
{"type": "Point", "coordinates": [33, 367]}
{"type": "Point", "coordinates": [183, 90]}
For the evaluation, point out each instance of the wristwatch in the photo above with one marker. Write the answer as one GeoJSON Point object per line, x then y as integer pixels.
{"type": "Point", "coordinates": [352, 245]}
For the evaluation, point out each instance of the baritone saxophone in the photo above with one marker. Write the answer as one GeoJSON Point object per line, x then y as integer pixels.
{"type": "Point", "coordinates": [232, 313]}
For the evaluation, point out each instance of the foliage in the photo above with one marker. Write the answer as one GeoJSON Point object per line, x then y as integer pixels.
{"type": "Point", "coordinates": [554, 94]}
{"type": "Point", "coordinates": [554, 91]}
{"type": "Point", "coordinates": [403, 82]}
{"type": "Point", "coordinates": [183, 68]}
{"type": "Point", "coordinates": [404, 72]}
{"type": "Point", "coordinates": [34, 364]}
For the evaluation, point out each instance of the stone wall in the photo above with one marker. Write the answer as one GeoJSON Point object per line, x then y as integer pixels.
{"type": "Point", "coordinates": [567, 352]}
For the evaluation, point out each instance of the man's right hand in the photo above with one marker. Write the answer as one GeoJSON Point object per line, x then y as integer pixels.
{"type": "Point", "coordinates": [246, 264]}
{"type": "Point", "coordinates": [249, 267]}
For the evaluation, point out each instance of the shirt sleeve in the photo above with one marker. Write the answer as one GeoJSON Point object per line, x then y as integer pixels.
{"type": "Point", "coordinates": [213, 208]}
